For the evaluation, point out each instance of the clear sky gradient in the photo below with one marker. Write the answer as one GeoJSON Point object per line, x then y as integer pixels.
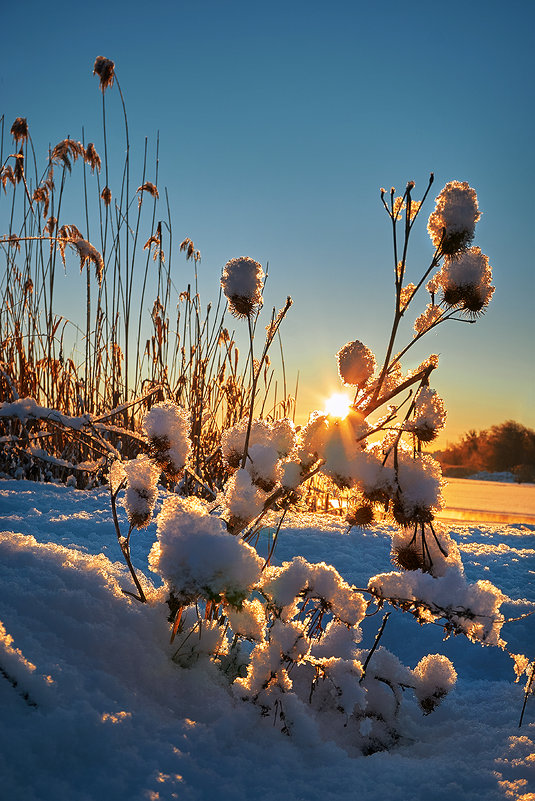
{"type": "Point", "coordinates": [278, 124]}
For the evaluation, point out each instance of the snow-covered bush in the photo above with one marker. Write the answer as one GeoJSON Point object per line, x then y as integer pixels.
{"type": "Point", "coordinates": [198, 558]}
{"type": "Point", "coordinates": [288, 637]}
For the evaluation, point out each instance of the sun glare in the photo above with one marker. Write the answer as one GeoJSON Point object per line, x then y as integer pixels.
{"type": "Point", "coordinates": [338, 405]}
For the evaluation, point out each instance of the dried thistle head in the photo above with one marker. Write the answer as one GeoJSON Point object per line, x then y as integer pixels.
{"type": "Point", "coordinates": [242, 282]}
{"type": "Point", "coordinates": [140, 505]}
{"type": "Point", "coordinates": [105, 69]}
{"type": "Point", "coordinates": [266, 484]}
{"type": "Point", "coordinates": [19, 129]}
{"type": "Point", "coordinates": [362, 516]}
{"type": "Point", "coordinates": [451, 225]}
{"type": "Point", "coordinates": [408, 557]}
{"type": "Point", "coordinates": [476, 299]}
{"type": "Point", "coordinates": [159, 446]}
{"type": "Point", "coordinates": [411, 515]}
{"type": "Point", "coordinates": [106, 195]}
{"type": "Point", "coordinates": [92, 158]}
{"type": "Point", "coordinates": [430, 703]}
{"type": "Point", "coordinates": [380, 496]}
{"type": "Point", "coordinates": [233, 459]}
{"type": "Point", "coordinates": [424, 431]}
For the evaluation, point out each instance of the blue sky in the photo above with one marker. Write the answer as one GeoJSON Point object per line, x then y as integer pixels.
{"type": "Point", "coordinates": [278, 124]}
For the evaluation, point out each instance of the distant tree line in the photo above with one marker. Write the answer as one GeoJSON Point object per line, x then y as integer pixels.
{"type": "Point", "coordinates": [507, 447]}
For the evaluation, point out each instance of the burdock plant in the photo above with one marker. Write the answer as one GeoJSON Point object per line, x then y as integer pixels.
{"type": "Point", "coordinates": [287, 636]}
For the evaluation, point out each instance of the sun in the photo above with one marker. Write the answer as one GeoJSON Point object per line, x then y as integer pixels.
{"type": "Point", "coordinates": [338, 405]}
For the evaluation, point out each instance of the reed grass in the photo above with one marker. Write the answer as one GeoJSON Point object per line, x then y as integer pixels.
{"type": "Point", "coordinates": [114, 359]}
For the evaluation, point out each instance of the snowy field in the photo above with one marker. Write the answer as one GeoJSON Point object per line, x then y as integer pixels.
{"type": "Point", "coordinates": [99, 711]}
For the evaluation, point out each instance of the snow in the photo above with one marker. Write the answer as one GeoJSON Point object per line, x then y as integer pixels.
{"type": "Point", "coordinates": [114, 718]}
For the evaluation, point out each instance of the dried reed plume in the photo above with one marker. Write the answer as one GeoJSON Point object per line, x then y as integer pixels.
{"type": "Point", "coordinates": [147, 187]}
{"type": "Point", "coordinates": [65, 150]}
{"type": "Point", "coordinates": [105, 69]}
{"type": "Point", "coordinates": [156, 241]}
{"type": "Point", "coordinates": [188, 248]}
{"type": "Point", "coordinates": [87, 252]}
{"type": "Point", "coordinates": [106, 195]}
{"type": "Point", "coordinates": [19, 129]}
{"type": "Point", "coordinates": [51, 225]}
{"type": "Point", "coordinates": [7, 175]}
{"type": "Point", "coordinates": [18, 172]}
{"type": "Point", "coordinates": [92, 158]}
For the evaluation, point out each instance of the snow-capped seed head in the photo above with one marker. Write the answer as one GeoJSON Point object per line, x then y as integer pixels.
{"type": "Point", "coordinates": [198, 558]}
{"type": "Point", "coordinates": [243, 500]}
{"type": "Point", "coordinates": [420, 486]}
{"type": "Point", "coordinates": [429, 415]}
{"type": "Point", "coordinates": [435, 677]}
{"type": "Point", "coordinates": [433, 285]}
{"type": "Point", "coordinates": [466, 281]}
{"type": "Point", "coordinates": [292, 474]}
{"type": "Point", "coordinates": [263, 466]}
{"type": "Point", "coordinates": [167, 427]}
{"type": "Point", "coordinates": [313, 437]}
{"type": "Point", "coordinates": [233, 439]}
{"type": "Point", "coordinates": [242, 281]}
{"type": "Point", "coordinates": [356, 363]}
{"type": "Point", "coordinates": [141, 493]}
{"type": "Point", "coordinates": [249, 621]}
{"type": "Point", "coordinates": [283, 436]}
{"type": "Point", "coordinates": [451, 225]}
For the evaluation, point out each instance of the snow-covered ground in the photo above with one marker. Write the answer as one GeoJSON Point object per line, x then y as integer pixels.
{"type": "Point", "coordinates": [99, 711]}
